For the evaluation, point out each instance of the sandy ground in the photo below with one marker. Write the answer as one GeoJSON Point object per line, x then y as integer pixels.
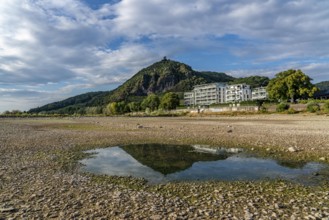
{"type": "Point", "coordinates": [39, 178]}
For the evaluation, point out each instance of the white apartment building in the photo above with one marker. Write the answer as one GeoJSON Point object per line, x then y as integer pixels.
{"type": "Point", "coordinates": [237, 93]}
{"type": "Point", "coordinates": [205, 94]}
{"type": "Point", "coordinates": [259, 93]}
{"type": "Point", "coordinates": [216, 93]}
{"type": "Point", "coordinates": [208, 94]}
{"type": "Point", "coordinates": [189, 98]}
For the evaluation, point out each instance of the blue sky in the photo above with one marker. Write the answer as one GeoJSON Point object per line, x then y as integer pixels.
{"type": "Point", "coordinates": [51, 50]}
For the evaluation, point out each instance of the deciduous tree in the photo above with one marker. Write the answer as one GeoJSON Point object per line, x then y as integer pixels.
{"type": "Point", "coordinates": [152, 102]}
{"type": "Point", "coordinates": [290, 84]}
{"type": "Point", "coordinates": [169, 101]}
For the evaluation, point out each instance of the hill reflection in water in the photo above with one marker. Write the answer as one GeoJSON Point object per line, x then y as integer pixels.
{"type": "Point", "coordinates": [168, 159]}
{"type": "Point", "coordinates": [159, 163]}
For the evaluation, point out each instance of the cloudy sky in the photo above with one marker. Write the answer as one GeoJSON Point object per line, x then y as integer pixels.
{"type": "Point", "coordinates": [53, 49]}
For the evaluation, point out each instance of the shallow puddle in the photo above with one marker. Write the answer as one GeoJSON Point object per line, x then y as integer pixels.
{"type": "Point", "coordinates": [164, 163]}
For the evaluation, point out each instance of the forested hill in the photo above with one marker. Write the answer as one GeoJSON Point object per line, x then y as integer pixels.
{"type": "Point", "coordinates": [75, 103]}
{"type": "Point", "coordinates": [160, 77]}
{"type": "Point", "coordinates": [253, 81]}
{"type": "Point", "coordinates": [165, 76]}
{"type": "Point", "coordinates": [323, 85]}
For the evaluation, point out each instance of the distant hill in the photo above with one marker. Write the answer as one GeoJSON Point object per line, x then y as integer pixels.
{"type": "Point", "coordinates": [165, 76]}
{"type": "Point", "coordinates": [163, 158]}
{"type": "Point", "coordinates": [160, 77]}
{"type": "Point", "coordinates": [75, 103]}
{"type": "Point", "coordinates": [323, 90]}
{"type": "Point", "coordinates": [323, 85]}
{"type": "Point", "coordinates": [253, 81]}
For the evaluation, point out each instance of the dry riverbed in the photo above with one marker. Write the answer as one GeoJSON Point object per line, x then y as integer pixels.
{"type": "Point", "coordinates": [40, 179]}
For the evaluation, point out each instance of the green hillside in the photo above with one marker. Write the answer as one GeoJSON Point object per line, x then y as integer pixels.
{"type": "Point", "coordinates": [75, 103]}
{"type": "Point", "coordinates": [323, 85]}
{"type": "Point", "coordinates": [253, 81]}
{"type": "Point", "coordinates": [165, 76]}
{"type": "Point", "coordinates": [168, 159]}
{"type": "Point", "coordinates": [160, 77]}
{"type": "Point", "coordinates": [323, 90]}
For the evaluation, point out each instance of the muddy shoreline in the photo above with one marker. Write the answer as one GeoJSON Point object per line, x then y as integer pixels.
{"type": "Point", "coordinates": [39, 176]}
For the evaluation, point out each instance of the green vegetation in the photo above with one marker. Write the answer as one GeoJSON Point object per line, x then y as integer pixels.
{"type": "Point", "coordinates": [13, 113]}
{"type": "Point", "coordinates": [290, 84]}
{"type": "Point", "coordinates": [74, 104]}
{"type": "Point", "coordinates": [152, 102]}
{"type": "Point", "coordinates": [253, 81]}
{"type": "Point", "coordinates": [114, 108]}
{"type": "Point", "coordinates": [166, 80]}
{"type": "Point", "coordinates": [164, 76]}
{"type": "Point", "coordinates": [291, 111]}
{"type": "Point", "coordinates": [263, 109]}
{"type": "Point", "coordinates": [326, 107]}
{"type": "Point", "coordinates": [168, 159]}
{"type": "Point", "coordinates": [323, 85]}
{"type": "Point", "coordinates": [159, 78]}
{"type": "Point", "coordinates": [214, 76]}
{"type": "Point", "coordinates": [169, 101]}
{"type": "Point", "coordinates": [313, 107]}
{"type": "Point", "coordinates": [323, 90]}
{"type": "Point", "coordinates": [283, 106]}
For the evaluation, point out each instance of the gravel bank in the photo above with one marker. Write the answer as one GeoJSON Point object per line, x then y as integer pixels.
{"type": "Point", "coordinates": [40, 180]}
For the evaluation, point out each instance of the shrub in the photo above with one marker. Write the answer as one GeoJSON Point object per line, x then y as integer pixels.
{"type": "Point", "coordinates": [313, 107]}
{"type": "Point", "coordinates": [283, 106]}
{"type": "Point", "coordinates": [291, 111]}
{"type": "Point", "coordinates": [263, 109]}
{"type": "Point", "coordinates": [326, 106]}
{"type": "Point", "coordinates": [147, 111]}
{"type": "Point", "coordinates": [303, 101]}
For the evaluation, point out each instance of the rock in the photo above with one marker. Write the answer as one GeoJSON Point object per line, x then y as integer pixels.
{"type": "Point", "coordinates": [293, 217]}
{"type": "Point", "coordinates": [322, 158]}
{"type": "Point", "coordinates": [311, 217]}
{"type": "Point", "coordinates": [318, 215]}
{"type": "Point", "coordinates": [234, 150]}
{"type": "Point", "coordinates": [279, 206]}
{"type": "Point", "coordinates": [156, 217]}
{"type": "Point", "coordinates": [9, 209]}
{"type": "Point", "coordinates": [292, 149]}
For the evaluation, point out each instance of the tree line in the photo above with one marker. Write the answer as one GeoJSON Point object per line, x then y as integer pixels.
{"type": "Point", "coordinates": [290, 85]}
{"type": "Point", "coordinates": [152, 102]}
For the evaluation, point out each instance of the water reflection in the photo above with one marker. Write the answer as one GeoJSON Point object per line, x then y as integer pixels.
{"type": "Point", "coordinates": [162, 163]}
{"type": "Point", "coordinates": [168, 159]}
{"type": "Point", "coordinates": [292, 164]}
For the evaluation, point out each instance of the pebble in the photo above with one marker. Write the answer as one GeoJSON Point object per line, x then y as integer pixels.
{"type": "Point", "coordinates": [42, 187]}
{"type": "Point", "coordinates": [9, 209]}
{"type": "Point", "coordinates": [292, 149]}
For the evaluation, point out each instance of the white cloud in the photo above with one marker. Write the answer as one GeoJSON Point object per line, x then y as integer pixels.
{"type": "Point", "coordinates": [54, 39]}
{"type": "Point", "coordinates": [317, 71]}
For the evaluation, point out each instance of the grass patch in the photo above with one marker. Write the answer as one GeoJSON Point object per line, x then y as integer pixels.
{"type": "Point", "coordinates": [70, 126]}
